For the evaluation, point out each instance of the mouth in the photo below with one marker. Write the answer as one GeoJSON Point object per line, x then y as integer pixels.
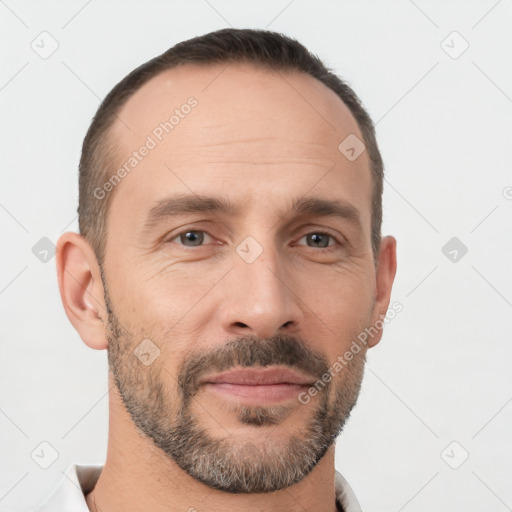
{"type": "Point", "coordinates": [253, 386]}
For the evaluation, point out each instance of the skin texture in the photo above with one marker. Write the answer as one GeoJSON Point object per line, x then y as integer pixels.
{"type": "Point", "coordinates": [259, 139]}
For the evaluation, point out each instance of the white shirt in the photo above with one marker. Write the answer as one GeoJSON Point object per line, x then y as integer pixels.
{"type": "Point", "coordinates": [79, 480]}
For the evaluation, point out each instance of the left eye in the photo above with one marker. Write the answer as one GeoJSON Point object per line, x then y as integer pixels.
{"type": "Point", "coordinates": [319, 239]}
{"type": "Point", "coordinates": [191, 238]}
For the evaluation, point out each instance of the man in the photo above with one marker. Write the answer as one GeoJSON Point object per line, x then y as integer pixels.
{"type": "Point", "coordinates": [230, 259]}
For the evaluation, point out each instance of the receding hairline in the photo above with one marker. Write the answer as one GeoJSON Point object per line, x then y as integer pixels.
{"type": "Point", "coordinates": [113, 142]}
{"type": "Point", "coordinates": [103, 150]}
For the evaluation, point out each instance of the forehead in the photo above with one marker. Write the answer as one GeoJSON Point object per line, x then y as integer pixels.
{"type": "Point", "coordinates": [248, 128]}
{"type": "Point", "coordinates": [236, 102]}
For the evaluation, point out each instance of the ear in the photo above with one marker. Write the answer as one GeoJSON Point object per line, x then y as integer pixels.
{"type": "Point", "coordinates": [81, 289]}
{"type": "Point", "coordinates": [385, 275]}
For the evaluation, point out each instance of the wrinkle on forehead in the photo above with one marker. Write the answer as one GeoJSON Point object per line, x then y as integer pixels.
{"type": "Point", "coordinates": [250, 134]}
{"type": "Point", "coordinates": [244, 105]}
{"type": "Point", "coordinates": [250, 138]}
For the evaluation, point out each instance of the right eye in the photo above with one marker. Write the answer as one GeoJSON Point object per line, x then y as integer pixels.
{"type": "Point", "coordinates": [190, 238]}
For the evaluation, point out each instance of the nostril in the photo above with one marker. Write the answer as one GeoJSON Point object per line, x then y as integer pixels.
{"type": "Point", "coordinates": [240, 324]}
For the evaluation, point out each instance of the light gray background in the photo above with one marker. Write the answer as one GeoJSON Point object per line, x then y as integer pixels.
{"type": "Point", "coordinates": [442, 371]}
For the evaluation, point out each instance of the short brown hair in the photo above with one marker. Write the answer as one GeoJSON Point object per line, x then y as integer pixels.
{"type": "Point", "coordinates": [260, 47]}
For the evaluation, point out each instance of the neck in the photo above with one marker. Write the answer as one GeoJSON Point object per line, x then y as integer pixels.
{"type": "Point", "coordinates": [139, 476]}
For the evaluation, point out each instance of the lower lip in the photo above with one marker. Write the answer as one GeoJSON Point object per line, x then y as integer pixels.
{"type": "Point", "coordinates": [256, 393]}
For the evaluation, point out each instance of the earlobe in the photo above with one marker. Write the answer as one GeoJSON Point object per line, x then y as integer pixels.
{"type": "Point", "coordinates": [384, 278]}
{"type": "Point", "coordinates": [81, 289]}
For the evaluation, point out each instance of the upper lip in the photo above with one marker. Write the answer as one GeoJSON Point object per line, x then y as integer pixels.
{"type": "Point", "coordinates": [253, 376]}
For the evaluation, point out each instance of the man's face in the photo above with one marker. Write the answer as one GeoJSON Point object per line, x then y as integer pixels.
{"type": "Point", "coordinates": [263, 286]}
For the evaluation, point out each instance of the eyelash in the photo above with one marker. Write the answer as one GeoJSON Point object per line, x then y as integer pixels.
{"type": "Point", "coordinates": [338, 244]}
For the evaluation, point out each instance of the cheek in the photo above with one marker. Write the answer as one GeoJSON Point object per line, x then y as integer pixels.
{"type": "Point", "coordinates": [159, 290]}
{"type": "Point", "coordinates": [340, 307]}
{"type": "Point", "coordinates": [171, 304]}
{"type": "Point", "coordinates": [340, 295]}
{"type": "Point", "coordinates": [179, 289]}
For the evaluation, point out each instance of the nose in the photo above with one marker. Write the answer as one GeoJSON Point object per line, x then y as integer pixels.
{"type": "Point", "coordinates": [260, 298]}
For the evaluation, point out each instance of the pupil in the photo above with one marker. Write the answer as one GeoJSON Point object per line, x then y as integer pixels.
{"type": "Point", "coordinates": [319, 240]}
{"type": "Point", "coordinates": [192, 236]}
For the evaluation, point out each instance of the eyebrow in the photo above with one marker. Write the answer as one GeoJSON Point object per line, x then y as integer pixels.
{"type": "Point", "coordinates": [320, 207]}
{"type": "Point", "coordinates": [182, 204]}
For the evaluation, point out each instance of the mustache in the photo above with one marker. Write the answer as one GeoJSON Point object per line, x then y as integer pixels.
{"type": "Point", "coordinates": [250, 351]}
